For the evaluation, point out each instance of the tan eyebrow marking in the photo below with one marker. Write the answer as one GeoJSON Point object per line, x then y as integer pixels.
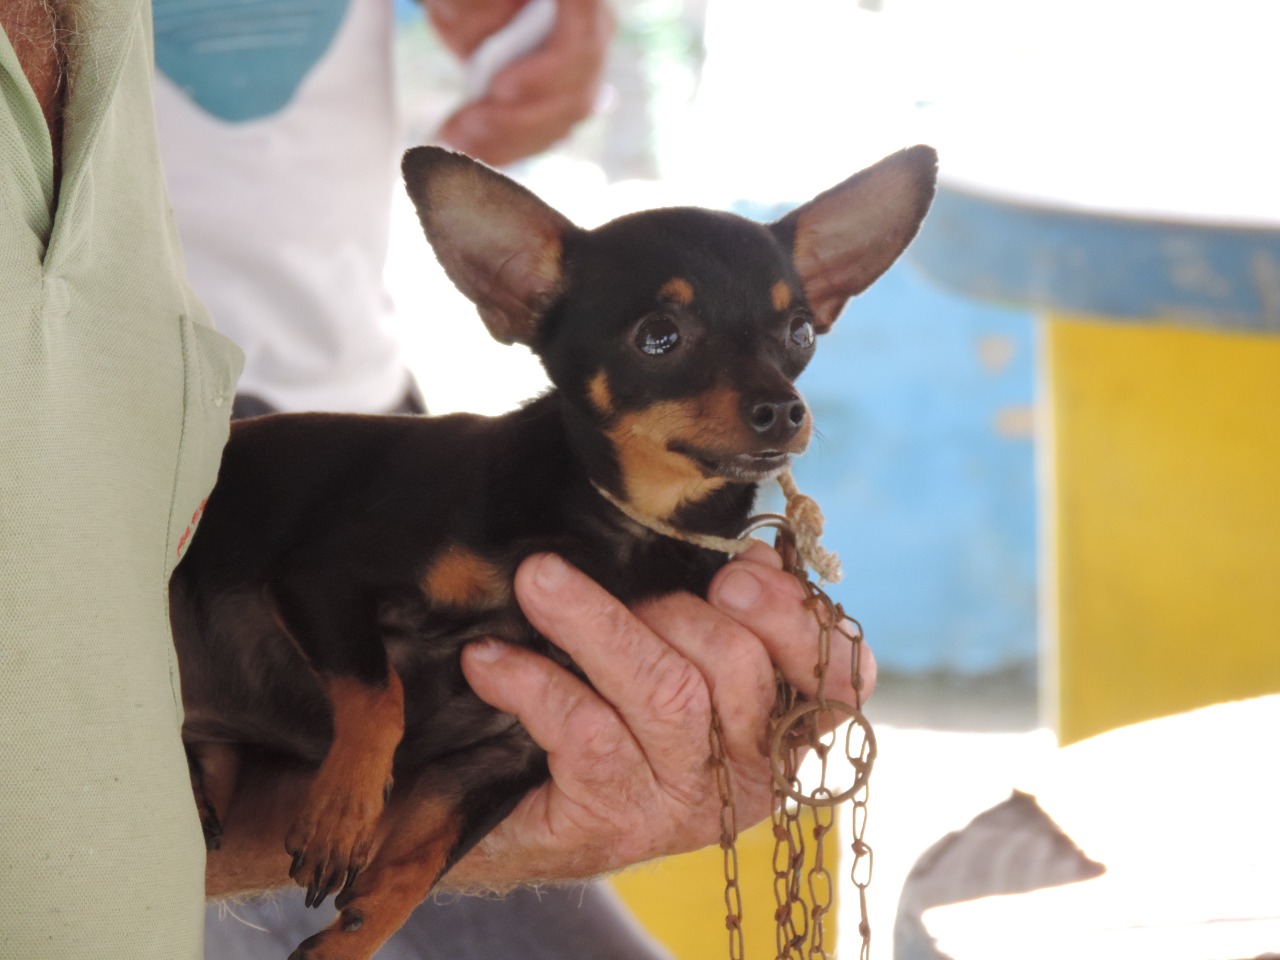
{"type": "Point", "coordinates": [678, 289]}
{"type": "Point", "coordinates": [781, 295]}
{"type": "Point", "coordinates": [599, 393]}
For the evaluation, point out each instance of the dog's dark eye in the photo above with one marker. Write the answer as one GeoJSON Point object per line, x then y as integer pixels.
{"type": "Point", "coordinates": [801, 332]}
{"type": "Point", "coordinates": [657, 335]}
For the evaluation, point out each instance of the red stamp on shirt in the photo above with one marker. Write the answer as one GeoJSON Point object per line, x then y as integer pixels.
{"type": "Point", "coordinates": [186, 534]}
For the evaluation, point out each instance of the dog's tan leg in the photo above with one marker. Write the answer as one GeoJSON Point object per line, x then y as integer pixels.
{"type": "Point", "coordinates": [379, 901]}
{"type": "Point", "coordinates": [331, 839]}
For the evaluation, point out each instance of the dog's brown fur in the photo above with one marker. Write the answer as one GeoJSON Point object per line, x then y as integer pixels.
{"type": "Point", "coordinates": [343, 562]}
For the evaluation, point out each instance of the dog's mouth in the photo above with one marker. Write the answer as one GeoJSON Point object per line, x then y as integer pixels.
{"type": "Point", "coordinates": [739, 467]}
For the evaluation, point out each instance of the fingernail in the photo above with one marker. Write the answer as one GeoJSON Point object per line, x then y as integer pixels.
{"type": "Point", "coordinates": [487, 651]}
{"type": "Point", "coordinates": [739, 589]}
{"type": "Point", "coordinates": [550, 572]}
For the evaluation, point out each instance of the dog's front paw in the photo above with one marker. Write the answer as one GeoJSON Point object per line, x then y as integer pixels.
{"type": "Point", "coordinates": [332, 840]}
{"type": "Point", "coordinates": [309, 949]}
{"type": "Point", "coordinates": [344, 939]}
{"type": "Point", "coordinates": [313, 948]}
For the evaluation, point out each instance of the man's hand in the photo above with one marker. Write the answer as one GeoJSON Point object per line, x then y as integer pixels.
{"type": "Point", "coordinates": [631, 772]}
{"type": "Point", "coordinates": [538, 99]}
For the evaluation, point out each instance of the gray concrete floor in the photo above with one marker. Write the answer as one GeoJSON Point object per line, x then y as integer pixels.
{"type": "Point", "coordinates": [1003, 702]}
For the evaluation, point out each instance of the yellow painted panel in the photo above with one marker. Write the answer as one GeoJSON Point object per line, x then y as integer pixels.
{"type": "Point", "coordinates": [681, 900]}
{"type": "Point", "coordinates": [1166, 469]}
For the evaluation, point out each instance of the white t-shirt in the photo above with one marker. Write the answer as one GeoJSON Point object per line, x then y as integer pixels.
{"type": "Point", "coordinates": [279, 136]}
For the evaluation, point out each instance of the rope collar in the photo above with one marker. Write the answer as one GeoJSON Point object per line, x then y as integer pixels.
{"type": "Point", "coordinates": [803, 513]}
{"type": "Point", "coordinates": [707, 541]}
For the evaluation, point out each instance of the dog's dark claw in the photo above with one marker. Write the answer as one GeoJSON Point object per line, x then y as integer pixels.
{"type": "Point", "coordinates": [297, 862]}
{"type": "Point", "coordinates": [347, 893]}
{"type": "Point", "coordinates": [323, 884]}
{"type": "Point", "coordinates": [315, 889]}
{"type": "Point", "coordinates": [332, 884]}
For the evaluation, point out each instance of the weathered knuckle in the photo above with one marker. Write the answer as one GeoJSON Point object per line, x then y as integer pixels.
{"type": "Point", "coordinates": [601, 738]}
{"type": "Point", "coordinates": [677, 689]}
{"type": "Point", "coordinates": [747, 673]}
{"type": "Point", "coordinates": [616, 619]}
{"type": "Point", "coordinates": [729, 639]}
{"type": "Point", "coordinates": [747, 659]}
{"type": "Point", "coordinates": [584, 722]}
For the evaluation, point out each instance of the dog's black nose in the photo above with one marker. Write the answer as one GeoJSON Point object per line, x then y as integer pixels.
{"type": "Point", "coordinates": [777, 420]}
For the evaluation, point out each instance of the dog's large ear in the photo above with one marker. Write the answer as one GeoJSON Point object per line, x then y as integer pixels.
{"type": "Point", "coordinates": [499, 244]}
{"type": "Point", "coordinates": [843, 239]}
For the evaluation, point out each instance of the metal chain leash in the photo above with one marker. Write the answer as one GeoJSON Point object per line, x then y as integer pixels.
{"type": "Point", "coordinates": [804, 898]}
{"type": "Point", "coordinates": [790, 917]}
{"type": "Point", "coordinates": [728, 836]}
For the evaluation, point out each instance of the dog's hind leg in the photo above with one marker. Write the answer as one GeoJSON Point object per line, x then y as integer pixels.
{"type": "Point", "coordinates": [378, 901]}
{"type": "Point", "coordinates": [214, 767]}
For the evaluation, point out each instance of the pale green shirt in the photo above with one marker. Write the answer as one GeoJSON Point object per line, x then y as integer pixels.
{"type": "Point", "coordinates": [114, 398]}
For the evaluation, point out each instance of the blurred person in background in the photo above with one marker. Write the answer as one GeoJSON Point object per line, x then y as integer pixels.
{"type": "Point", "coordinates": [280, 138]}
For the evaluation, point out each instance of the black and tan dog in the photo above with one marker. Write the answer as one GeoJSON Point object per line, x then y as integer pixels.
{"type": "Point", "coordinates": [344, 561]}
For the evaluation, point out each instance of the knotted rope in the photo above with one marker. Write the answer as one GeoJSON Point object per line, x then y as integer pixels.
{"type": "Point", "coordinates": [803, 513]}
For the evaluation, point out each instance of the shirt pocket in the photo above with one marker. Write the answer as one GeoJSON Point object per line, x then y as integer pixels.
{"type": "Point", "coordinates": [212, 365]}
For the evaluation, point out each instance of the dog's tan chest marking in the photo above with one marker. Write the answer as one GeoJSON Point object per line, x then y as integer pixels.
{"type": "Point", "coordinates": [658, 480]}
{"type": "Point", "coordinates": [461, 579]}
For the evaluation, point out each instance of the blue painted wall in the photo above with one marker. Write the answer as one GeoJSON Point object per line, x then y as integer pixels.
{"type": "Point", "coordinates": [930, 505]}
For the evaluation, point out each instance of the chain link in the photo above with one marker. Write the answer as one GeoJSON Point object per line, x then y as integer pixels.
{"type": "Point", "coordinates": [860, 760]}
{"type": "Point", "coordinates": [791, 922]}
{"type": "Point", "coordinates": [800, 923]}
{"type": "Point", "coordinates": [728, 841]}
